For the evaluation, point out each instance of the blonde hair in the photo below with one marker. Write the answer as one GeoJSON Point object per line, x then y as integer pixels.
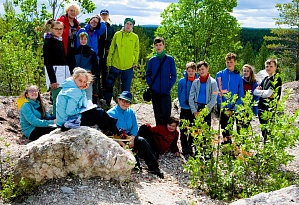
{"type": "Point", "coordinates": [191, 65]}
{"type": "Point", "coordinates": [52, 23]}
{"type": "Point", "coordinates": [271, 60]}
{"type": "Point", "coordinates": [42, 108]}
{"type": "Point", "coordinates": [81, 71]}
{"type": "Point", "coordinates": [251, 78]}
{"type": "Point", "coordinates": [75, 5]}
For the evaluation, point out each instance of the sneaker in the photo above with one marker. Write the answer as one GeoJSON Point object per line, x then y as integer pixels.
{"type": "Point", "coordinates": [157, 172]}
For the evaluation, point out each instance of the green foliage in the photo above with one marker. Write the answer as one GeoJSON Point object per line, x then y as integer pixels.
{"type": "Point", "coordinates": [33, 8]}
{"type": "Point", "coordinates": [11, 190]}
{"type": "Point", "coordinates": [200, 30]}
{"type": "Point", "coordinates": [246, 166]}
{"type": "Point", "coordinates": [20, 53]}
{"type": "Point", "coordinates": [285, 41]}
{"type": "Point", "coordinates": [261, 58]}
{"type": "Point", "coordinates": [248, 54]}
{"type": "Point", "coordinates": [255, 36]}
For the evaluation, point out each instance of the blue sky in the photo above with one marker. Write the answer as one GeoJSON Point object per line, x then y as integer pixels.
{"type": "Point", "coordinates": [249, 13]}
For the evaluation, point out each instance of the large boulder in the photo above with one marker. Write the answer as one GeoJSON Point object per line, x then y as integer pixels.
{"type": "Point", "coordinates": [85, 152]}
{"type": "Point", "coordinates": [288, 195]}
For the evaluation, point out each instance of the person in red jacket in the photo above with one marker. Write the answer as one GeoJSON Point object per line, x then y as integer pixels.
{"type": "Point", "coordinates": [163, 138]}
{"type": "Point", "coordinates": [69, 35]}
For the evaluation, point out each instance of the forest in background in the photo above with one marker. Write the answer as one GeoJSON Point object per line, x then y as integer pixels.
{"type": "Point", "coordinates": [21, 41]}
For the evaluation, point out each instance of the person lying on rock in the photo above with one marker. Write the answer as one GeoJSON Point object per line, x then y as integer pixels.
{"type": "Point", "coordinates": [162, 138]}
{"type": "Point", "coordinates": [34, 119]}
{"type": "Point", "coordinates": [126, 120]}
{"type": "Point", "coordinates": [73, 109]}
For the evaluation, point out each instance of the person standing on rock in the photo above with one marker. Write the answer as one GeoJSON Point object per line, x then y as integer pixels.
{"type": "Point", "coordinates": [104, 44]}
{"type": "Point", "coordinates": [122, 58]}
{"type": "Point", "coordinates": [57, 69]}
{"type": "Point", "coordinates": [165, 80]}
{"type": "Point", "coordinates": [266, 92]}
{"type": "Point", "coordinates": [127, 122]}
{"type": "Point", "coordinates": [35, 121]}
{"type": "Point", "coordinates": [69, 36]}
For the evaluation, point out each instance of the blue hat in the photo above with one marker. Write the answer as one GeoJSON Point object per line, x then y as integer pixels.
{"type": "Point", "coordinates": [104, 11]}
{"type": "Point", "coordinates": [126, 95]}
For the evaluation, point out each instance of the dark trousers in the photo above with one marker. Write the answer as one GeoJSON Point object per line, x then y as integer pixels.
{"type": "Point", "coordinates": [126, 81]}
{"type": "Point", "coordinates": [145, 151]}
{"type": "Point", "coordinates": [102, 78]}
{"type": "Point", "coordinates": [186, 143]}
{"type": "Point", "coordinates": [162, 108]}
{"type": "Point", "coordinates": [98, 116]}
{"type": "Point", "coordinates": [262, 121]}
{"type": "Point", "coordinates": [224, 122]}
{"type": "Point", "coordinates": [40, 131]}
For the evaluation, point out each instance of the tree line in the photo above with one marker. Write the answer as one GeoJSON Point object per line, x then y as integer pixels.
{"type": "Point", "coordinates": [206, 32]}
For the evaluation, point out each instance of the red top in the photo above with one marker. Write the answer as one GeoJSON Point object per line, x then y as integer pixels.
{"type": "Point", "coordinates": [66, 30]}
{"type": "Point", "coordinates": [165, 140]}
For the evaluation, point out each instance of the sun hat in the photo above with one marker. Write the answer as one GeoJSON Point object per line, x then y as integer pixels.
{"type": "Point", "coordinates": [126, 95]}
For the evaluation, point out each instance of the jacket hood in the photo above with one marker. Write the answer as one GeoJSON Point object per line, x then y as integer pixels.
{"type": "Point", "coordinates": [70, 88]}
{"type": "Point", "coordinates": [123, 30]}
{"type": "Point", "coordinates": [20, 102]}
{"type": "Point", "coordinates": [48, 35]}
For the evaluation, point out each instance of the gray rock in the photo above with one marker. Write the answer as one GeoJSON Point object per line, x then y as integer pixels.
{"type": "Point", "coordinates": [85, 152]}
{"type": "Point", "coordinates": [285, 196]}
{"type": "Point", "coordinates": [67, 190]}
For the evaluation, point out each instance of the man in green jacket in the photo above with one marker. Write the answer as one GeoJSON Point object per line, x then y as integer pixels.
{"type": "Point", "coordinates": [122, 58]}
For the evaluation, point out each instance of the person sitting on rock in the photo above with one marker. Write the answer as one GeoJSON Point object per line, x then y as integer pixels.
{"type": "Point", "coordinates": [34, 119]}
{"type": "Point", "coordinates": [126, 121]}
{"type": "Point", "coordinates": [74, 110]}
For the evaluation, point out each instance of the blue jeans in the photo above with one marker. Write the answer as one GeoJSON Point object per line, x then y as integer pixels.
{"type": "Point", "coordinates": [162, 108]}
{"type": "Point", "coordinates": [126, 81]}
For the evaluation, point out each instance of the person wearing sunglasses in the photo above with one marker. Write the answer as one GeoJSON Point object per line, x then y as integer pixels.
{"type": "Point", "coordinates": [34, 119]}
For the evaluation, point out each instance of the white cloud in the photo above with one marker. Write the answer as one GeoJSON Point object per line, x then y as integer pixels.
{"type": "Point", "coordinates": [249, 13]}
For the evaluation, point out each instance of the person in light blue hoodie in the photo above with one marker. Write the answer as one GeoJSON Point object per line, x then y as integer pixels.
{"type": "Point", "coordinates": [184, 87]}
{"type": "Point", "coordinates": [229, 80]}
{"type": "Point", "coordinates": [73, 109]}
{"type": "Point", "coordinates": [34, 119]}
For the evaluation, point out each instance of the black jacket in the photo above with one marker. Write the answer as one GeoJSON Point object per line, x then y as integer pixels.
{"type": "Point", "coordinates": [105, 40]}
{"type": "Point", "coordinates": [53, 55]}
{"type": "Point", "coordinates": [266, 84]}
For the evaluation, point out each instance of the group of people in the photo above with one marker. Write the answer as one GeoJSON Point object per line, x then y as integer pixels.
{"type": "Point", "coordinates": [194, 94]}
{"type": "Point", "coordinates": [96, 47]}
{"type": "Point", "coordinates": [73, 56]}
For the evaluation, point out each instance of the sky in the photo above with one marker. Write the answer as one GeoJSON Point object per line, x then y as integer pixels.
{"type": "Point", "coordinates": [249, 13]}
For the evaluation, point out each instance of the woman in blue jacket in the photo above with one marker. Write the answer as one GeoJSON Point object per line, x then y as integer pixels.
{"type": "Point", "coordinates": [95, 28]}
{"type": "Point", "coordinates": [34, 119]}
{"type": "Point", "coordinates": [73, 109]}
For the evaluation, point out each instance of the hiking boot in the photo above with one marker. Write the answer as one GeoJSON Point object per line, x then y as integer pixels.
{"type": "Point", "coordinates": [157, 172]}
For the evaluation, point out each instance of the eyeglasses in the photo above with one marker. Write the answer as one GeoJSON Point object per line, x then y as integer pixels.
{"type": "Point", "coordinates": [58, 29]}
{"type": "Point", "coordinates": [32, 91]}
